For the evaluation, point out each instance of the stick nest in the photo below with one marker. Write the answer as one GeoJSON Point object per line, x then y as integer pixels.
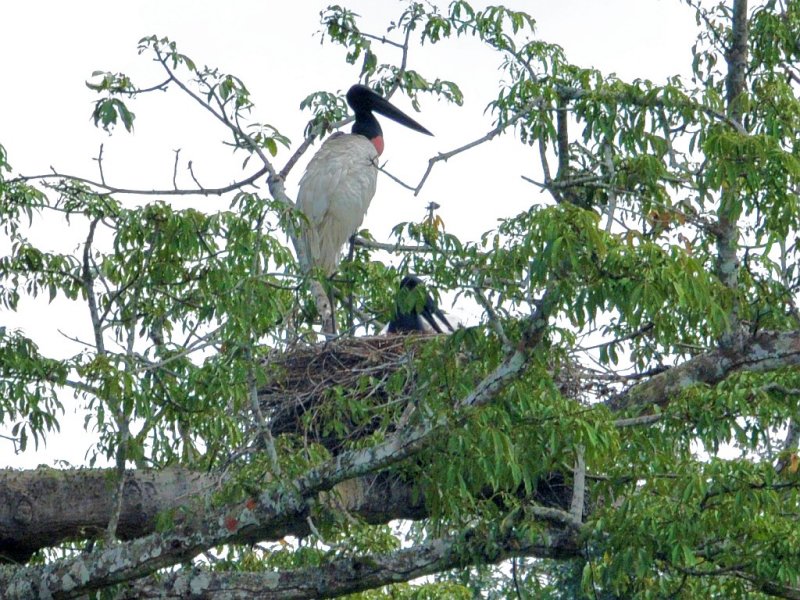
{"type": "Point", "coordinates": [347, 389]}
{"type": "Point", "coordinates": [337, 391]}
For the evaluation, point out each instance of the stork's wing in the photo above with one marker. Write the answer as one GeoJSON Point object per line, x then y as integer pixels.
{"type": "Point", "coordinates": [334, 194]}
{"type": "Point", "coordinates": [323, 174]}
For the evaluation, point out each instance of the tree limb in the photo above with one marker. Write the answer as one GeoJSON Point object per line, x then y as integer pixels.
{"type": "Point", "coordinates": [765, 351]}
{"type": "Point", "coordinates": [354, 574]}
{"type": "Point", "coordinates": [32, 515]}
{"type": "Point", "coordinates": [727, 229]}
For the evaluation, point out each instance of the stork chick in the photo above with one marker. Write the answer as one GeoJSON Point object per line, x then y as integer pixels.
{"type": "Point", "coordinates": [416, 310]}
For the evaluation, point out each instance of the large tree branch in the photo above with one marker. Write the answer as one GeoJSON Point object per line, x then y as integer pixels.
{"type": "Point", "coordinates": [32, 515]}
{"type": "Point", "coordinates": [354, 574]}
{"type": "Point", "coordinates": [765, 351]}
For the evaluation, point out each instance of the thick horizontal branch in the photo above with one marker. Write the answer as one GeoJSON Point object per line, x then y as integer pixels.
{"type": "Point", "coordinates": [355, 574]}
{"type": "Point", "coordinates": [32, 515]}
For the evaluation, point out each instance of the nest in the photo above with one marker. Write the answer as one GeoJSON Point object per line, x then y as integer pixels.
{"type": "Point", "coordinates": [347, 389]}
{"type": "Point", "coordinates": [337, 391]}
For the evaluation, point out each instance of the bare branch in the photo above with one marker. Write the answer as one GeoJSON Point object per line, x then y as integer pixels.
{"type": "Point", "coordinates": [160, 87]}
{"type": "Point", "coordinates": [263, 427]}
{"type": "Point", "coordinates": [727, 229]}
{"type": "Point", "coordinates": [578, 486]}
{"type": "Point", "coordinates": [365, 243]}
{"type": "Point", "coordinates": [175, 169]}
{"type": "Point", "coordinates": [562, 140]}
{"type": "Point", "coordinates": [639, 421]}
{"type": "Point", "coordinates": [194, 177]}
{"type": "Point", "coordinates": [548, 179]}
{"type": "Point", "coordinates": [284, 173]}
{"type": "Point", "coordinates": [377, 38]}
{"type": "Point", "coordinates": [382, 169]}
{"type": "Point", "coordinates": [608, 162]}
{"type": "Point", "coordinates": [444, 156]}
{"type": "Point", "coordinates": [110, 189]}
{"type": "Point", "coordinates": [99, 160]}
{"type": "Point", "coordinates": [88, 286]}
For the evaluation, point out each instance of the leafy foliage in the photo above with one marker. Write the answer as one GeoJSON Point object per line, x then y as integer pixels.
{"type": "Point", "coordinates": [604, 308]}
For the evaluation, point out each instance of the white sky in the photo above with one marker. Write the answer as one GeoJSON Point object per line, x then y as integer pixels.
{"type": "Point", "coordinates": [49, 48]}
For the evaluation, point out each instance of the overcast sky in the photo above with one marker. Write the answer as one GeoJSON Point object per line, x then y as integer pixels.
{"type": "Point", "coordinates": [50, 48]}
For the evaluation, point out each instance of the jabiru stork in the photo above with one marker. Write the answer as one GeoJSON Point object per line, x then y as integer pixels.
{"type": "Point", "coordinates": [416, 310]}
{"type": "Point", "coordinates": [341, 178]}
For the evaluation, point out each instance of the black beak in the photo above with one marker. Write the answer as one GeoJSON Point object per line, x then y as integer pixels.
{"type": "Point", "coordinates": [431, 313]}
{"type": "Point", "coordinates": [361, 98]}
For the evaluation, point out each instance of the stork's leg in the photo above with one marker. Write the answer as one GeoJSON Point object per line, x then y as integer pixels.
{"type": "Point", "coordinates": [324, 307]}
{"type": "Point", "coordinates": [352, 249]}
{"type": "Point", "coordinates": [331, 326]}
{"type": "Point", "coordinates": [350, 254]}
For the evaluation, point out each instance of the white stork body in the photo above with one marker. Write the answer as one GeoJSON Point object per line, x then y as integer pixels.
{"type": "Point", "coordinates": [335, 193]}
{"type": "Point", "coordinates": [339, 184]}
{"type": "Point", "coordinates": [340, 180]}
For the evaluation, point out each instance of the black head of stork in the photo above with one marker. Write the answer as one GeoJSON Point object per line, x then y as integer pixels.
{"type": "Point", "coordinates": [364, 101]}
{"type": "Point", "coordinates": [416, 310]}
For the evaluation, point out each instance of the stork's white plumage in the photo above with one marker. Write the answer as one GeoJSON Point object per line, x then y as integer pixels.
{"type": "Point", "coordinates": [335, 193]}
{"type": "Point", "coordinates": [339, 183]}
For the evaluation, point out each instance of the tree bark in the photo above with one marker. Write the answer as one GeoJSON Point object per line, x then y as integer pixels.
{"type": "Point", "coordinates": [765, 351]}
{"type": "Point", "coordinates": [45, 507]}
{"type": "Point", "coordinates": [355, 574]}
